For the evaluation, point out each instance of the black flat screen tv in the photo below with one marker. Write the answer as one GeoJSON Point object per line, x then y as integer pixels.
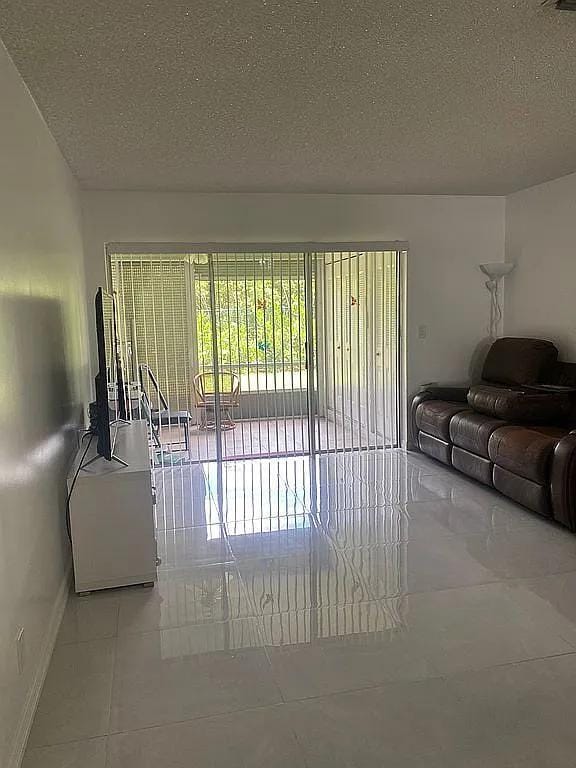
{"type": "Point", "coordinates": [107, 370]}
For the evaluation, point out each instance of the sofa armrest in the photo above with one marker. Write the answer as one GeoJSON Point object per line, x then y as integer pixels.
{"type": "Point", "coordinates": [454, 393]}
{"type": "Point", "coordinates": [563, 481]}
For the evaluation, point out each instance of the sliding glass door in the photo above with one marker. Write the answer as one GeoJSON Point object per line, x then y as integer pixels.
{"type": "Point", "coordinates": [269, 352]}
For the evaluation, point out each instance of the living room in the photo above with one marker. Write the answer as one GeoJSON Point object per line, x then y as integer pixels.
{"type": "Point", "coordinates": [344, 605]}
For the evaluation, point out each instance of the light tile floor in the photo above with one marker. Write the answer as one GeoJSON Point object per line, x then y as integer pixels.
{"type": "Point", "coordinates": [408, 617]}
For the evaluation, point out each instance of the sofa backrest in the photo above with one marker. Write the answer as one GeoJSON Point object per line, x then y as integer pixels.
{"type": "Point", "coordinates": [563, 374]}
{"type": "Point", "coordinates": [514, 361]}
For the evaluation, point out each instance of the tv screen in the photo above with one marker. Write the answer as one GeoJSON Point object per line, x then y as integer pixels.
{"type": "Point", "coordinates": [106, 340]}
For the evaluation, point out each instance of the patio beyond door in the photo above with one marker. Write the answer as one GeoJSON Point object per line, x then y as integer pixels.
{"type": "Point", "coordinates": [271, 353]}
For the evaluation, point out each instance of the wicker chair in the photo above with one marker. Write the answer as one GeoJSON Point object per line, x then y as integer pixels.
{"type": "Point", "coordinates": [205, 397]}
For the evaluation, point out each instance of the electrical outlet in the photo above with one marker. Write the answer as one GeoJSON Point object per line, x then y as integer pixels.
{"type": "Point", "coordinates": [20, 650]}
{"type": "Point", "coordinates": [422, 331]}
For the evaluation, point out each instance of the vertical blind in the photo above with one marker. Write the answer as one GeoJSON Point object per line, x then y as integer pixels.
{"type": "Point", "coordinates": [154, 315]}
{"type": "Point", "coordinates": [358, 355]}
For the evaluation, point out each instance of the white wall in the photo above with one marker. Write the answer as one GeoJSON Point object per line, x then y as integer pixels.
{"type": "Point", "coordinates": [541, 239]}
{"type": "Point", "coordinates": [448, 237]}
{"type": "Point", "coordinates": [42, 375]}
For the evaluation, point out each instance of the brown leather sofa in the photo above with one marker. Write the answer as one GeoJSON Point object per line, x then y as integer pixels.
{"type": "Point", "coordinates": [514, 431]}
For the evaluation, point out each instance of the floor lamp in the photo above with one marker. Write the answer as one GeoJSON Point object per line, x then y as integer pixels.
{"type": "Point", "coordinates": [495, 271]}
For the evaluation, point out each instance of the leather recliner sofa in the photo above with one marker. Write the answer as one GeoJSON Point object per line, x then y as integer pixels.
{"type": "Point", "coordinates": [514, 431]}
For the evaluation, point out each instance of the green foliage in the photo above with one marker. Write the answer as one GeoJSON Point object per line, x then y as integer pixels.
{"type": "Point", "coordinates": [258, 322]}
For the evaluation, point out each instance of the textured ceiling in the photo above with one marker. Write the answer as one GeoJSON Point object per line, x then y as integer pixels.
{"type": "Point", "coordinates": [389, 96]}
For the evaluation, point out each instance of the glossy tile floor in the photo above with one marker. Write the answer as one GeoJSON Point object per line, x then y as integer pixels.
{"type": "Point", "coordinates": [400, 616]}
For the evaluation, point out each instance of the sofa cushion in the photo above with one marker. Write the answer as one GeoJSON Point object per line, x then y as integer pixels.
{"type": "Point", "coordinates": [518, 361]}
{"type": "Point", "coordinates": [525, 451]}
{"type": "Point", "coordinates": [472, 465]}
{"type": "Point", "coordinates": [522, 405]}
{"type": "Point", "coordinates": [471, 431]}
{"type": "Point", "coordinates": [433, 446]}
{"type": "Point", "coordinates": [433, 417]}
{"type": "Point", "coordinates": [531, 495]}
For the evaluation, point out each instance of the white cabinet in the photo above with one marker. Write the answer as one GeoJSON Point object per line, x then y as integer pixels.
{"type": "Point", "coordinates": [112, 516]}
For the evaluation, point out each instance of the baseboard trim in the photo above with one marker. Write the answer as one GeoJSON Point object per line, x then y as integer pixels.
{"type": "Point", "coordinates": [27, 717]}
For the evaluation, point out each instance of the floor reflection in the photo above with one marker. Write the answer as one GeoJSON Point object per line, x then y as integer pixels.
{"type": "Point", "coordinates": [314, 550]}
{"type": "Point", "coordinates": [290, 529]}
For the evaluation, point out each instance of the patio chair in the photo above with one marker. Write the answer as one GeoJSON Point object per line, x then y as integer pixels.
{"type": "Point", "coordinates": [162, 416]}
{"type": "Point", "coordinates": [205, 395]}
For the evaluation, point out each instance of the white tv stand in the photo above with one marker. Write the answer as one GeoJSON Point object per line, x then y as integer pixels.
{"type": "Point", "coordinates": [112, 515]}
